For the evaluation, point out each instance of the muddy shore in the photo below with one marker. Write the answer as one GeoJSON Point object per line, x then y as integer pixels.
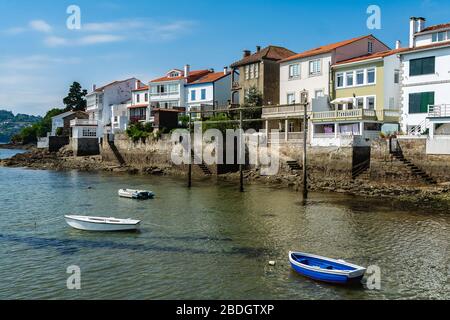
{"type": "Point", "coordinates": [432, 196]}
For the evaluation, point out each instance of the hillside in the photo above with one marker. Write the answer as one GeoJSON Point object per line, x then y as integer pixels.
{"type": "Point", "coordinates": [11, 124]}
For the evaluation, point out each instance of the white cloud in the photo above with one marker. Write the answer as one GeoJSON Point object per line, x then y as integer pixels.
{"type": "Point", "coordinates": [35, 62]}
{"type": "Point", "coordinates": [40, 26]}
{"type": "Point", "coordinates": [53, 41]}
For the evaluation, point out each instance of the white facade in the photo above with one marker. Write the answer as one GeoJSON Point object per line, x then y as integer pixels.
{"type": "Point", "coordinates": [99, 102]}
{"type": "Point", "coordinates": [58, 122]}
{"type": "Point", "coordinates": [215, 93]}
{"type": "Point", "coordinates": [432, 83]}
{"type": "Point", "coordinates": [316, 84]}
{"type": "Point", "coordinates": [119, 118]}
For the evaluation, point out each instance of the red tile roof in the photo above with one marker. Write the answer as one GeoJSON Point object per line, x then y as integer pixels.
{"type": "Point", "coordinates": [135, 106]}
{"type": "Point", "coordinates": [274, 53]}
{"type": "Point", "coordinates": [324, 49]}
{"type": "Point", "coordinates": [436, 27]}
{"type": "Point", "coordinates": [168, 110]}
{"type": "Point", "coordinates": [430, 46]}
{"type": "Point", "coordinates": [193, 76]}
{"type": "Point", "coordinates": [141, 89]}
{"type": "Point", "coordinates": [211, 77]}
{"type": "Point", "coordinates": [373, 56]}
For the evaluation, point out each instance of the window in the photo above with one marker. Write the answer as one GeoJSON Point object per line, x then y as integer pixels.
{"type": "Point", "coordinates": [193, 98]}
{"type": "Point", "coordinates": [291, 126]}
{"type": "Point", "coordinates": [257, 70]}
{"type": "Point", "coordinates": [391, 103]}
{"type": "Point", "coordinates": [397, 76]}
{"type": "Point", "coordinates": [422, 66]}
{"type": "Point", "coordinates": [89, 132]}
{"type": "Point", "coordinates": [291, 98]}
{"type": "Point", "coordinates": [203, 93]}
{"type": "Point", "coordinates": [252, 71]}
{"type": "Point", "coordinates": [439, 36]}
{"type": "Point", "coordinates": [340, 80]}
{"type": "Point", "coordinates": [349, 77]}
{"type": "Point", "coordinates": [318, 93]}
{"type": "Point", "coordinates": [370, 47]}
{"type": "Point", "coordinates": [360, 103]}
{"type": "Point", "coordinates": [371, 75]}
{"type": "Point", "coordinates": [146, 97]}
{"type": "Point", "coordinates": [294, 71]}
{"type": "Point", "coordinates": [370, 103]}
{"type": "Point", "coordinates": [419, 102]}
{"type": "Point", "coordinates": [138, 98]}
{"type": "Point", "coordinates": [173, 88]}
{"type": "Point", "coordinates": [315, 67]}
{"type": "Point", "coordinates": [247, 72]}
{"type": "Point", "coordinates": [360, 77]}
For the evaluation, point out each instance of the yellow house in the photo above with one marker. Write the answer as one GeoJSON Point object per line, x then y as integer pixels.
{"type": "Point", "coordinates": [366, 97]}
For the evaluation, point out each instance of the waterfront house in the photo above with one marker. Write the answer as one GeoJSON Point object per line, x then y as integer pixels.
{"type": "Point", "coordinates": [169, 91]}
{"type": "Point", "coordinates": [119, 118]}
{"type": "Point", "coordinates": [212, 91]}
{"type": "Point", "coordinates": [366, 101]}
{"type": "Point", "coordinates": [139, 109]}
{"type": "Point", "coordinates": [310, 71]}
{"type": "Point", "coordinates": [425, 75]}
{"type": "Point", "coordinates": [99, 103]}
{"type": "Point", "coordinates": [259, 70]}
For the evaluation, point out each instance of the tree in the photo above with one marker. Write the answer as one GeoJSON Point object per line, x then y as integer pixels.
{"type": "Point", "coordinates": [252, 99]}
{"type": "Point", "coordinates": [75, 101]}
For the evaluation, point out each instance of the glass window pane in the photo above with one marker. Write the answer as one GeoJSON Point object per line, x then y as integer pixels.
{"type": "Point", "coordinates": [349, 79]}
{"type": "Point", "coordinates": [360, 77]}
{"type": "Point", "coordinates": [340, 80]}
{"type": "Point", "coordinates": [371, 75]}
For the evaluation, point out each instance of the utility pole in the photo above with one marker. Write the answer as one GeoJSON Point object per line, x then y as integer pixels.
{"type": "Point", "coordinates": [190, 152]}
{"type": "Point", "coordinates": [304, 101]}
{"type": "Point", "coordinates": [241, 166]}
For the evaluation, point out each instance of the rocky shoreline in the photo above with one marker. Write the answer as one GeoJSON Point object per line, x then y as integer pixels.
{"type": "Point", "coordinates": [434, 197]}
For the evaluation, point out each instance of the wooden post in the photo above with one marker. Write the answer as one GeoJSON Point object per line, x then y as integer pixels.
{"type": "Point", "coordinates": [304, 100]}
{"type": "Point", "coordinates": [241, 166]}
{"type": "Point", "coordinates": [190, 152]}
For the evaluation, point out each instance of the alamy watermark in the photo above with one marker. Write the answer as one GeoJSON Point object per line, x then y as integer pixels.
{"type": "Point", "coordinates": [74, 280]}
{"type": "Point", "coordinates": [213, 147]}
{"type": "Point", "coordinates": [374, 19]}
{"type": "Point", "coordinates": [74, 20]}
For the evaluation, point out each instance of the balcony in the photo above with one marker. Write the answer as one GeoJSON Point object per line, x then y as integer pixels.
{"type": "Point", "coordinates": [439, 111]}
{"type": "Point", "coordinates": [356, 114]}
{"type": "Point", "coordinates": [83, 122]}
{"type": "Point", "coordinates": [295, 110]}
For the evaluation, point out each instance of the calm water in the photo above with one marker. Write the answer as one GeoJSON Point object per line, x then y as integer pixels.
{"type": "Point", "coordinates": [210, 242]}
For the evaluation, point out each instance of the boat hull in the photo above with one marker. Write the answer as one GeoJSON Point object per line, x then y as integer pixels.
{"type": "Point", "coordinates": [326, 269]}
{"type": "Point", "coordinates": [326, 277]}
{"type": "Point", "coordinates": [105, 227]}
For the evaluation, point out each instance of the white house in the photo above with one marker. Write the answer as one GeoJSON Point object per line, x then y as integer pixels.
{"type": "Point", "coordinates": [210, 91]}
{"type": "Point", "coordinates": [426, 74]}
{"type": "Point", "coordinates": [100, 100]}
{"type": "Point", "coordinates": [310, 71]}
{"type": "Point", "coordinates": [169, 92]}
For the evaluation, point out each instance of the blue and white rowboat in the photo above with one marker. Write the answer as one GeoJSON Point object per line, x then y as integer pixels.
{"type": "Point", "coordinates": [325, 269]}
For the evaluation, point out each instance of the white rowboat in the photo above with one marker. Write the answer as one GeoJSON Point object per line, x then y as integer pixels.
{"type": "Point", "coordinates": [136, 194]}
{"type": "Point", "coordinates": [101, 224]}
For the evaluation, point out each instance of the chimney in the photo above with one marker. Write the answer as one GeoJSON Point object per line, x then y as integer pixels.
{"type": "Point", "coordinates": [187, 70]}
{"type": "Point", "coordinates": [94, 87]}
{"type": "Point", "coordinates": [412, 30]}
{"type": "Point", "coordinates": [398, 44]}
{"type": "Point", "coordinates": [258, 48]}
{"type": "Point", "coordinates": [225, 70]}
{"type": "Point", "coordinates": [421, 24]}
{"type": "Point", "coordinates": [247, 53]}
{"type": "Point", "coordinates": [138, 84]}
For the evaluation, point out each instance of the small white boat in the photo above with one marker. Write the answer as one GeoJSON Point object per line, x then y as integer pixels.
{"type": "Point", "coordinates": [136, 194]}
{"type": "Point", "coordinates": [101, 224]}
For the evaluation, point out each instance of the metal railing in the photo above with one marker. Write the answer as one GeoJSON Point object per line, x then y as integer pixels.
{"type": "Point", "coordinates": [436, 111]}
{"type": "Point", "coordinates": [83, 122]}
{"type": "Point", "coordinates": [284, 109]}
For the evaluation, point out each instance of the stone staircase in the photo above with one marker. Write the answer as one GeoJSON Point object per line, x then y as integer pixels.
{"type": "Point", "coordinates": [415, 170]}
{"type": "Point", "coordinates": [116, 152]}
{"type": "Point", "coordinates": [294, 165]}
{"type": "Point", "coordinates": [361, 170]}
{"type": "Point", "coordinates": [202, 166]}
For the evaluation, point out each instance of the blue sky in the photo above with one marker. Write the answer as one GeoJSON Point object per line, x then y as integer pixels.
{"type": "Point", "coordinates": [40, 57]}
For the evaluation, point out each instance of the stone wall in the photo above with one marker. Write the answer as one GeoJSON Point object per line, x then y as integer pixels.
{"type": "Point", "coordinates": [85, 146]}
{"type": "Point", "coordinates": [56, 143]}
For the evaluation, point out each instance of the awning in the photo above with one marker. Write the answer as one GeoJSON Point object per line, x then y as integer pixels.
{"type": "Point", "coordinates": [343, 101]}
